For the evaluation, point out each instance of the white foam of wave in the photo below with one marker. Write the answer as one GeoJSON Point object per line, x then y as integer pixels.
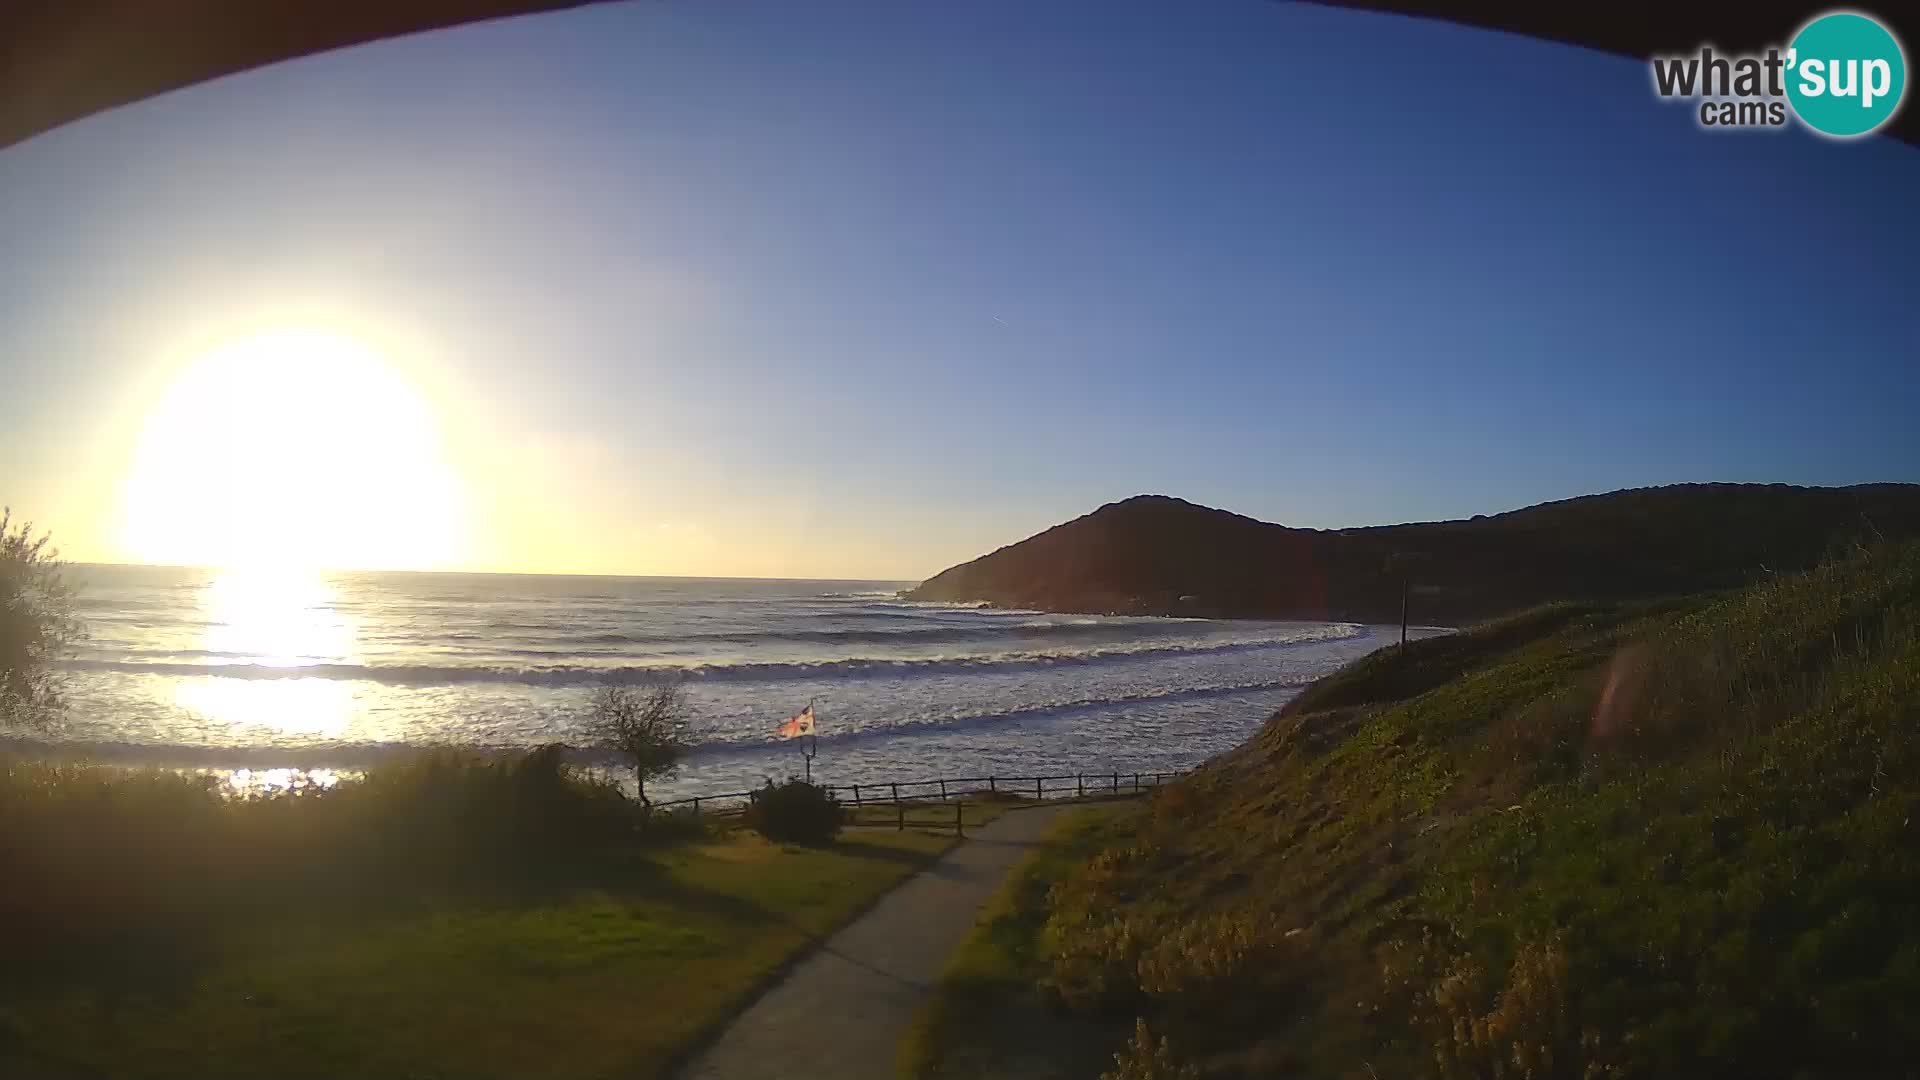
{"type": "Point", "coordinates": [584, 675]}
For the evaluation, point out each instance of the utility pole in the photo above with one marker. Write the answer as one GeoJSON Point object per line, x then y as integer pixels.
{"type": "Point", "coordinates": [1402, 564]}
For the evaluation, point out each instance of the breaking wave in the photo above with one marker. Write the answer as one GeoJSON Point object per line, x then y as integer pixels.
{"type": "Point", "coordinates": [360, 755]}
{"type": "Point", "coordinates": [585, 675]}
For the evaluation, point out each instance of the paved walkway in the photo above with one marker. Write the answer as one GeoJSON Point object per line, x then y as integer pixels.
{"type": "Point", "coordinates": [841, 1012]}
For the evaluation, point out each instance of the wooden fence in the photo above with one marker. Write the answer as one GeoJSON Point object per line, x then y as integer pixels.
{"type": "Point", "coordinates": [898, 794]}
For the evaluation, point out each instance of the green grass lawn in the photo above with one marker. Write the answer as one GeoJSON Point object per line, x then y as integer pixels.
{"type": "Point", "coordinates": [610, 981]}
{"type": "Point", "coordinates": [935, 816]}
{"type": "Point", "coordinates": [930, 814]}
{"type": "Point", "coordinates": [986, 1018]}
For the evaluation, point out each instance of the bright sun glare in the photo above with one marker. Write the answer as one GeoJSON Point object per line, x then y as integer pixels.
{"type": "Point", "coordinates": [281, 619]}
{"type": "Point", "coordinates": [292, 450]}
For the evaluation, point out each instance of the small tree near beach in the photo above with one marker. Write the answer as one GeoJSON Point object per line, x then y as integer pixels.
{"type": "Point", "coordinates": [37, 627]}
{"type": "Point", "coordinates": [645, 724]}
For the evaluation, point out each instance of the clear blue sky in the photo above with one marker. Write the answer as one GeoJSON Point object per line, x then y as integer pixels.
{"type": "Point", "coordinates": [866, 289]}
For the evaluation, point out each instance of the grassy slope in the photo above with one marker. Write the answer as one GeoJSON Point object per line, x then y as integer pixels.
{"type": "Point", "coordinates": [1591, 840]}
{"type": "Point", "coordinates": [602, 981]}
{"type": "Point", "coordinates": [985, 1018]}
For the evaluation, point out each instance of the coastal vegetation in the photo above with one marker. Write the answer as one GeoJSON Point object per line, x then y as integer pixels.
{"type": "Point", "coordinates": [1613, 839]}
{"type": "Point", "coordinates": [1627, 834]}
{"type": "Point", "coordinates": [645, 725]}
{"type": "Point", "coordinates": [447, 914]}
{"type": "Point", "coordinates": [451, 916]}
{"type": "Point", "coordinates": [37, 626]}
{"type": "Point", "coordinates": [795, 812]}
{"type": "Point", "coordinates": [989, 1015]}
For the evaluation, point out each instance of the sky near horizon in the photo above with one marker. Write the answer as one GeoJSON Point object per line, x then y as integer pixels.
{"type": "Point", "coordinates": [864, 290]}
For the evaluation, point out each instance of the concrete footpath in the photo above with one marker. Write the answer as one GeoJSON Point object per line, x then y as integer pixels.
{"type": "Point", "coordinates": [841, 1012]}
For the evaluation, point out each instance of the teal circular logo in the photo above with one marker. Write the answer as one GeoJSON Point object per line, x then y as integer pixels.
{"type": "Point", "coordinates": [1845, 74]}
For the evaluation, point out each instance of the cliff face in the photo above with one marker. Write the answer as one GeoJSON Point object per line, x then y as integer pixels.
{"type": "Point", "coordinates": [1153, 554]}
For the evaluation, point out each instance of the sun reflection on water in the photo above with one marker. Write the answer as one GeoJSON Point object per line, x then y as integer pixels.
{"type": "Point", "coordinates": [278, 619]}
{"type": "Point", "coordinates": [252, 783]}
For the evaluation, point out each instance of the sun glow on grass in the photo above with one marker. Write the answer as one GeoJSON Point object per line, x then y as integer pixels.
{"type": "Point", "coordinates": [292, 449]}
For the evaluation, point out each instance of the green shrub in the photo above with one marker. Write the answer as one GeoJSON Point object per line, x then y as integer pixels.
{"type": "Point", "coordinates": [1090, 944]}
{"type": "Point", "coordinates": [1477, 1026]}
{"type": "Point", "coordinates": [1208, 963]}
{"type": "Point", "coordinates": [37, 627]}
{"type": "Point", "coordinates": [98, 853]}
{"type": "Point", "coordinates": [1147, 1058]}
{"type": "Point", "coordinates": [795, 812]}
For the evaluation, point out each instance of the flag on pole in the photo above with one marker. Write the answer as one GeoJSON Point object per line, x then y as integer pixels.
{"type": "Point", "coordinates": [800, 723]}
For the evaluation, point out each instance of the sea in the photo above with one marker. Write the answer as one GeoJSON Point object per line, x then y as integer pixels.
{"type": "Point", "coordinates": [274, 677]}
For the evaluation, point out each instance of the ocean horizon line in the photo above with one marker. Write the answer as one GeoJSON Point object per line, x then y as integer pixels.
{"type": "Point", "coordinates": [83, 564]}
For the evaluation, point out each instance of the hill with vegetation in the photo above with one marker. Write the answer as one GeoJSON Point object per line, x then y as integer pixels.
{"type": "Point", "coordinates": [1633, 839]}
{"type": "Point", "coordinates": [1153, 554]}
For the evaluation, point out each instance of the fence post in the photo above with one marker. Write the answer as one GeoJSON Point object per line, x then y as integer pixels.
{"type": "Point", "coordinates": [1116, 783]}
{"type": "Point", "coordinates": [1136, 783]}
{"type": "Point", "coordinates": [856, 794]}
{"type": "Point", "coordinates": [1080, 785]}
{"type": "Point", "coordinates": [896, 791]}
{"type": "Point", "coordinates": [696, 808]}
{"type": "Point", "coordinates": [959, 822]}
{"type": "Point", "coordinates": [943, 791]}
{"type": "Point", "coordinates": [1036, 789]}
{"type": "Point", "coordinates": [993, 785]}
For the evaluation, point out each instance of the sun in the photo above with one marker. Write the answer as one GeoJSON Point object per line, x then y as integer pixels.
{"type": "Point", "coordinates": [295, 449]}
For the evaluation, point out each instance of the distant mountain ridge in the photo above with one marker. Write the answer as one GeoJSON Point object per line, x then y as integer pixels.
{"type": "Point", "coordinates": [1159, 555]}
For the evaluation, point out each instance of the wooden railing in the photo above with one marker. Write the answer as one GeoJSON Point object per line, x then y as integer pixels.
{"type": "Point", "coordinates": [899, 793]}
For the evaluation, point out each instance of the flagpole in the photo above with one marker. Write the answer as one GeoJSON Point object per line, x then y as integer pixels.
{"type": "Point", "coordinates": [791, 729]}
{"type": "Point", "coordinates": [813, 741]}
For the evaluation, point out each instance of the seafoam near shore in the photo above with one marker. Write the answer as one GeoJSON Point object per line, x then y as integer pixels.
{"type": "Point", "coordinates": [271, 671]}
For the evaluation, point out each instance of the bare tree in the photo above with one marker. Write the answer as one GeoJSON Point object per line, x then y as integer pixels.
{"type": "Point", "coordinates": [37, 626]}
{"type": "Point", "coordinates": [645, 723]}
